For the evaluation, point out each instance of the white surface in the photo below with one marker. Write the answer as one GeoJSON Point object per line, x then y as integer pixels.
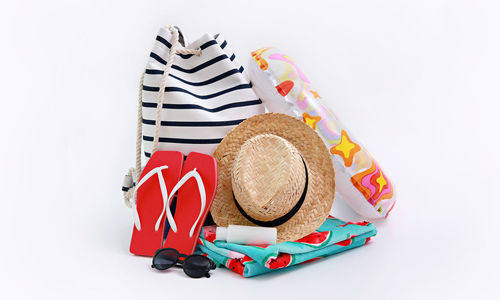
{"type": "Point", "coordinates": [416, 82]}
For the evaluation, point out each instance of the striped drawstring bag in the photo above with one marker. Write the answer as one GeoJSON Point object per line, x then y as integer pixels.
{"type": "Point", "coordinates": [190, 97]}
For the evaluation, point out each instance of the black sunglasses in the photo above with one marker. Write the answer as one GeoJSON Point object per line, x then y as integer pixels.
{"type": "Point", "coordinates": [194, 266]}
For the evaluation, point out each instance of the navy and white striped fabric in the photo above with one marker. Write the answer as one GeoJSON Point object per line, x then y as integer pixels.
{"type": "Point", "coordinates": [206, 96]}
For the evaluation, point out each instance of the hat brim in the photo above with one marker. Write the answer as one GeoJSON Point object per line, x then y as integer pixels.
{"type": "Point", "coordinates": [321, 187]}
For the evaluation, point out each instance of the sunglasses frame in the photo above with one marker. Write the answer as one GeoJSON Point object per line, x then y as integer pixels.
{"type": "Point", "coordinates": [180, 263]}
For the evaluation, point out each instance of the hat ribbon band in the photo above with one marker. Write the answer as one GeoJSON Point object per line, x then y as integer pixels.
{"type": "Point", "coordinates": [281, 220]}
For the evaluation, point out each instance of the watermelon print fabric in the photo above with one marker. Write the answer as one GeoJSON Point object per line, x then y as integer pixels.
{"type": "Point", "coordinates": [332, 237]}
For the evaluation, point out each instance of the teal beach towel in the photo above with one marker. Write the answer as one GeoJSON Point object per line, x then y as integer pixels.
{"type": "Point", "coordinates": [332, 237]}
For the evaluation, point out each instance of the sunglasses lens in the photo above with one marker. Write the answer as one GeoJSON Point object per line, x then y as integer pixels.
{"type": "Point", "coordinates": [165, 258]}
{"type": "Point", "coordinates": [196, 266]}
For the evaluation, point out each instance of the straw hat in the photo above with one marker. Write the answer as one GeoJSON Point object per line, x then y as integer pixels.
{"type": "Point", "coordinates": [274, 171]}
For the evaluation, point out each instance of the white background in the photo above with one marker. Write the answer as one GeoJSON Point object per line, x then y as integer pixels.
{"type": "Point", "coordinates": [416, 81]}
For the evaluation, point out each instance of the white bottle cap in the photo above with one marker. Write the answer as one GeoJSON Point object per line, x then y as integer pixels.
{"type": "Point", "coordinates": [221, 233]}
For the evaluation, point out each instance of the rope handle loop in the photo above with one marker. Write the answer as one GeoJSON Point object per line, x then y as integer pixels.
{"type": "Point", "coordinates": [129, 195]}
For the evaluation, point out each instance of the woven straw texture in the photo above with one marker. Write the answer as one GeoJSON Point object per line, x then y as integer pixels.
{"type": "Point", "coordinates": [281, 184]}
{"type": "Point", "coordinates": [269, 187]}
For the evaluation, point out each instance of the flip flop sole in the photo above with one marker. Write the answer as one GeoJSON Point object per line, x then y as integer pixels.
{"type": "Point", "coordinates": [189, 203]}
{"type": "Point", "coordinates": [146, 241]}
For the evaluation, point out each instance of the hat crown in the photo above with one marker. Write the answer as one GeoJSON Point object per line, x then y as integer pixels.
{"type": "Point", "coordinates": [268, 177]}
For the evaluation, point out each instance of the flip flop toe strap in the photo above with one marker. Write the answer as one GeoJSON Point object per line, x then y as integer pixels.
{"type": "Point", "coordinates": [164, 193]}
{"type": "Point", "coordinates": [201, 188]}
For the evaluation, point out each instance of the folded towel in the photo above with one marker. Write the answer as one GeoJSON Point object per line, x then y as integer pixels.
{"type": "Point", "coordinates": [332, 237]}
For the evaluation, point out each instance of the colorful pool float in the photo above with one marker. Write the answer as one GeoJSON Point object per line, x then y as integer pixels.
{"type": "Point", "coordinates": [284, 88]}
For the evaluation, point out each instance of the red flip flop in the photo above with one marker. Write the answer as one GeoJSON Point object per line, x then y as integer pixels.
{"type": "Point", "coordinates": [196, 192]}
{"type": "Point", "coordinates": [158, 177]}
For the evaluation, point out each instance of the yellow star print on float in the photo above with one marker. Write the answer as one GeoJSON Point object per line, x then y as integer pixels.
{"type": "Point", "coordinates": [346, 149]}
{"type": "Point", "coordinates": [310, 120]}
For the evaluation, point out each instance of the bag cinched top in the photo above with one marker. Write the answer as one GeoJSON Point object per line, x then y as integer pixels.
{"type": "Point", "coordinates": [190, 97]}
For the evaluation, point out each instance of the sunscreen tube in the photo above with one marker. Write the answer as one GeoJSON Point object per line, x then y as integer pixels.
{"type": "Point", "coordinates": [244, 235]}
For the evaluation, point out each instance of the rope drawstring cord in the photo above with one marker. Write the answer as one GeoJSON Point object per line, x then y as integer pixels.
{"type": "Point", "coordinates": [130, 196]}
